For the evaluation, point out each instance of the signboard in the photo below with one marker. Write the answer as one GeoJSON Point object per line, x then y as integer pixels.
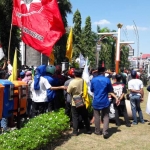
{"type": "Point", "coordinates": [131, 52]}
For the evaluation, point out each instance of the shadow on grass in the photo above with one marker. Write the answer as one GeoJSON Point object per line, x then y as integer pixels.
{"type": "Point", "coordinates": [112, 131]}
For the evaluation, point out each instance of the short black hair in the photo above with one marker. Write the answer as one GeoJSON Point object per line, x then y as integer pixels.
{"type": "Point", "coordinates": [78, 72]}
{"type": "Point", "coordinates": [133, 74]}
{"type": "Point", "coordinates": [101, 69]}
{"type": "Point", "coordinates": [118, 77]}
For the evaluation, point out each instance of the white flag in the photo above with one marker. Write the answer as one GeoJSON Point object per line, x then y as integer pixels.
{"type": "Point", "coordinates": [86, 76]}
{"type": "Point", "coordinates": [1, 53]}
{"type": "Point", "coordinates": [148, 104]}
{"type": "Point", "coordinates": [82, 61]}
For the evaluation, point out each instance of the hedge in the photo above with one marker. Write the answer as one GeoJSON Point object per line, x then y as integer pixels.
{"type": "Point", "coordinates": [37, 133]}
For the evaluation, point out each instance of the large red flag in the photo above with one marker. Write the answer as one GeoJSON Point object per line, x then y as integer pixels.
{"type": "Point", "coordinates": [41, 23]}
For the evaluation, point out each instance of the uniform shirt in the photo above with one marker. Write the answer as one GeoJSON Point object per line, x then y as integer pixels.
{"type": "Point", "coordinates": [135, 84]}
{"type": "Point", "coordinates": [75, 88]}
{"type": "Point", "coordinates": [41, 94]}
{"type": "Point", "coordinates": [101, 86]}
{"type": "Point", "coordinates": [119, 88]}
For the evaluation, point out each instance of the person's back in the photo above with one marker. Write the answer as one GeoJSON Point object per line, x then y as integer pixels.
{"type": "Point", "coordinates": [135, 84]}
{"type": "Point", "coordinates": [136, 94]}
{"type": "Point", "coordinates": [101, 86]}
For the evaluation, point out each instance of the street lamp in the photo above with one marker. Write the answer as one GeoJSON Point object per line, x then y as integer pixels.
{"type": "Point", "coordinates": [98, 48]}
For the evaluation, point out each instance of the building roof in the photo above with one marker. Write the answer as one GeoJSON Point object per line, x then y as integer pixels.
{"type": "Point", "coordinates": [145, 56]}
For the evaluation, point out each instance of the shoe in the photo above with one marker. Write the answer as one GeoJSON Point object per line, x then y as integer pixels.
{"type": "Point", "coordinates": [98, 133]}
{"type": "Point", "coordinates": [89, 132]}
{"type": "Point", "coordinates": [134, 123]}
{"type": "Point", "coordinates": [105, 136]}
{"type": "Point", "coordinates": [74, 134]}
{"type": "Point", "coordinates": [143, 122]}
{"type": "Point", "coordinates": [118, 125]}
{"type": "Point", "coordinates": [128, 125]}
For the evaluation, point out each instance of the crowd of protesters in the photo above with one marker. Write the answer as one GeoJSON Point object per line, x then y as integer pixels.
{"type": "Point", "coordinates": [50, 89]}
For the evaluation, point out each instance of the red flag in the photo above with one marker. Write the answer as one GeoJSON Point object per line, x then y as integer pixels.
{"type": "Point", "coordinates": [41, 23]}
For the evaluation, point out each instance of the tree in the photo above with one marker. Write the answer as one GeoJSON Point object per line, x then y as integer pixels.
{"type": "Point", "coordinates": [5, 25]}
{"type": "Point", "coordinates": [88, 41]}
{"type": "Point", "coordinates": [60, 47]}
{"type": "Point", "coordinates": [77, 34]}
{"type": "Point", "coordinates": [107, 52]}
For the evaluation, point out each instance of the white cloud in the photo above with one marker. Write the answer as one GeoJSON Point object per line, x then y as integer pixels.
{"type": "Point", "coordinates": [102, 22]}
{"type": "Point", "coordinates": [131, 27]}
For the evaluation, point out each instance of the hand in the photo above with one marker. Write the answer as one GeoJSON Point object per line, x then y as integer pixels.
{"type": "Point", "coordinates": [141, 100]}
{"type": "Point", "coordinates": [117, 102]}
{"type": "Point", "coordinates": [65, 87]}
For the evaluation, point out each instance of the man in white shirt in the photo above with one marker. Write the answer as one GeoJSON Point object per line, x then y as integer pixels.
{"type": "Point", "coordinates": [136, 94]}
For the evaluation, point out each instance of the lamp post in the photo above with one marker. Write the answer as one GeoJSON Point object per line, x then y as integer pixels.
{"type": "Point", "coordinates": [98, 48]}
{"type": "Point", "coordinates": [118, 48]}
{"type": "Point", "coordinates": [117, 60]}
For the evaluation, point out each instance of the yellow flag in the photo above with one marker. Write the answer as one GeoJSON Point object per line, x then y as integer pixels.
{"type": "Point", "coordinates": [85, 95]}
{"type": "Point", "coordinates": [51, 58]}
{"type": "Point", "coordinates": [69, 46]}
{"type": "Point", "coordinates": [13, 76]}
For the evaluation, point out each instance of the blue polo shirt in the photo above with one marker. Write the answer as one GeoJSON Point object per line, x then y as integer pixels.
{"type": "Point", "coordinates": [101, 86]}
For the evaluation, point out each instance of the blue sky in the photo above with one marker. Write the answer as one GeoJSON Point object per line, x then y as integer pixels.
{"type": "Point", "coordinates": [108, 13]}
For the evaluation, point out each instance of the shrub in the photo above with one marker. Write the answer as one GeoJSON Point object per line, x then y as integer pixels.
{"type": "Point", "coordinates": [37, 133]}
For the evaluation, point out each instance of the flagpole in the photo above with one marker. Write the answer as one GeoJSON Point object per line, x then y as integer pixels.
{"type": "Point", "coordinates": [9, 42]}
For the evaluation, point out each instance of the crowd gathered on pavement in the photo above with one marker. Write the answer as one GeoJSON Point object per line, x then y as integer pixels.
{"type": "Point", "coordinates": [50, 88]}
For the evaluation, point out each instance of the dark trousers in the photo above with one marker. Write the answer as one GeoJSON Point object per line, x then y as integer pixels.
{"type": "Point", "coordinates": [38, 108]}
{"type": "Point", "coordinates": [76, 113]}
{"type": "Point", "coordinates": [105, 117]}
{"type": "Point", "coordinates": [68, 109]}
{"type": "Point", "coordinates": [121, 108]}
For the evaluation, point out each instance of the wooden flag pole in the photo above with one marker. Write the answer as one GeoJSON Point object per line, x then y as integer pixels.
{"type": "Point", "coordinates": [9, 42]}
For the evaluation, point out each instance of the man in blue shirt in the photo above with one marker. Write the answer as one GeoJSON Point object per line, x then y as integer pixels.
{"type": "Point", "coordinates": [101, 86]}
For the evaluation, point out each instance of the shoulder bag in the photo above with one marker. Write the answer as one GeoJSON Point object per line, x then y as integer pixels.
{"type": "Point", "coordinates": [78, 100]}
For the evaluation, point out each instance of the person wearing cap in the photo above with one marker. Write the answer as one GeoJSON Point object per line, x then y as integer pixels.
{"type": "Point", "coordinates": [101, 87]}
{"type": "Point", "coordinates": [135, 87]}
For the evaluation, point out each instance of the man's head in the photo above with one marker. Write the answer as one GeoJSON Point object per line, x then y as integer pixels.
{"type": "Point", "coordinates": [118, 77]}
{"type": "Point", "coordinates": [78, 73]}
{"type": "Point", "coordinates": [133, 74]}
{"type": "Point", "coordinates": [101, 70]}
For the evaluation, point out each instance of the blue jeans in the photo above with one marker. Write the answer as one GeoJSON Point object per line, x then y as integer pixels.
{"type": "Point", "coordinates": [4, 123]}
{"type": "Point", "coordinates": [135, 106]}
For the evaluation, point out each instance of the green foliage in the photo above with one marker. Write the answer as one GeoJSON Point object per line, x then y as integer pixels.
{"type": "Point", "coordinates": [77, 34]}
{"type": "Point", "coordinates": [37, 133]}
{"type": "Point", "coordinates": [5, 25]}
{"type": "Point", "coordinates": [88, 41]}
{"type": "Point", "coordinates": [60, 47]}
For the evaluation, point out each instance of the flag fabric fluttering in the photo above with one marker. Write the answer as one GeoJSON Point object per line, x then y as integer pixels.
{"type": "Point", "coordinates": [1, 52]}
{"type": "Point", "coordinates": [51, 58]}
{"type": "Point", "coordinates": [13, 76]}
{"type": "Point", "coordinates": [40, 22]}
{"type": "Point", "coordinates": [81, 61]}
{"type": "Point", "coordinates": [69, 47]}
{"type": "Point", "coordinates": [86, 76]}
